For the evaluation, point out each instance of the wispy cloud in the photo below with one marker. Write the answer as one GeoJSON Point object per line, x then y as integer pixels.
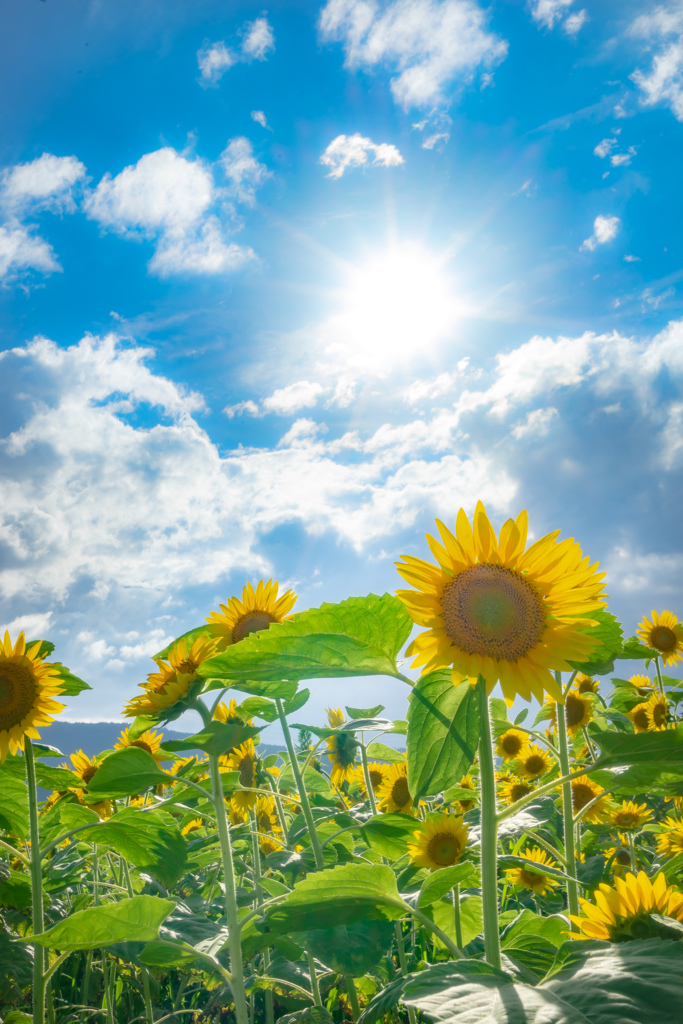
{"type": "Point", "coordinates": [355, 151]}
{"type": "Point", "coordinates": [605, 229]}
{"type": "Point", "coordinates": [663, 83]}
{"type": "Point", "coordinates": [214, 59]}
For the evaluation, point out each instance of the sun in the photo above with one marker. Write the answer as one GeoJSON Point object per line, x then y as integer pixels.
{"type": "Point", "coordinates": [397, 303]}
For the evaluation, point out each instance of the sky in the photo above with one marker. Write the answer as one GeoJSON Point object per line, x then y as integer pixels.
{"type": "Point", "coordinates": [279, 286]}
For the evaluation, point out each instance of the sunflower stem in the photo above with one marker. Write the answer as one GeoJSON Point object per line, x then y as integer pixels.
{"type": "Point", "coordinates": [303, 795]}
{"type": "Point", "coordinates": [315, 987]}
{"type": "Point", "coordinates": [567, 809]}
{"type": "Point", "coordinates": [456, 915]}
{"type": "Point", "coordinates": [489, 831]}
{"type": "Point", "coordinates": [660, 681]}
{"type": "Point", "coordinates": [234, 930]}
{"type": "Point", "coordinates": [366, 774]}
{"type": "Point", "coordinates": [632, 851]}
{"type": "Point", "coordinates": [36, 885]}
{"type": "Point", "coordinates": [258, 889]}
{"type": "Point", "coordinates": [353, 996]}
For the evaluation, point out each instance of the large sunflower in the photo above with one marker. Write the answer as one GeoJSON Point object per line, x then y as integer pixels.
{"type": "Point", "coordinates": [537, 882]}
{"type": "Point", "coordinates": [511, 744]}
{"type": "Point", "coordinates": [439, 842]}
{"type": "Point", "coordinates": [638, 716]}
{"type": "Point", "coordinates": [664, 633]}
{"type": "Point", "coordinates": [622, 913]}
{"type": "Point", "coordinates": [172, 682]}
{"type": "Point", "coordinates": [149, 740]}
{"type": "Point", "coordinates": [394, 793]}
{"type": "Point", "coordinates": [243, 760]}
{"type": "Point", "coordinates": [377, 772]}
{"type": "Point", "coordinates": [671, 841]}
{"type": "Point", "coordinates": [584, 791]}
{"type": "Point", "coordinates": [630, 816]}
{"type": "Point", "coordinates": [28, 686]}
{"type": "Point", "coordinates": [257, 610]}
{"type": "Point", "coordinates": [657, 711]}
{"type": "Point", "coordinates": [585, 684]}
{"type": "Point", "coordinates": [494, 609]}
{"type": "Point", "coordinates": [534, 762]}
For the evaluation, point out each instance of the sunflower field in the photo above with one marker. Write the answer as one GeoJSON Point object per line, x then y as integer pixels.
{"type": "Point", "coordinates": [510, 865]}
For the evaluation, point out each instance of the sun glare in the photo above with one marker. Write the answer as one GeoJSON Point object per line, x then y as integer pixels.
{"type": "Point", "coordinates": [396, 304]}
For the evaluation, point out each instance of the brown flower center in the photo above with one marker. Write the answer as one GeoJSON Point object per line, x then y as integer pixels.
{"type": "Point", "coordinates": [444, 848]}
{"type": "Point", "coordinates": [663, 639]}
{"type": "Point", "coordinates": [659, 714]}
{"type": "Point", "coordinates": [585, 686]}
{"type": "Point", "coordinates": [263, 822]}
{"type": "Point", "coordinates": [246, 770]}
{"type": "Point", "coordinates": [626, 819]}
{"type": "Point", "coordinates": [252, 622]}
{"type": "Point", "coordinates": [622, 857]}
{"type": "Point", "coordinates": [581, 795]}
{"type": "Point", "coordinates": [142, 745]}
{"type": "Point", "coordinates": [640, 718]}
{"type": "Point", "coordinates": [511, 745]}
{"type": "Point", "coordinates": [575, 710]}
{"type": "Point", "coordinates": [531, 880]}
{"type": "Point", "coordinates": [400, 793]}
{"type": "Point", "coordinates": [89, 773]}
{"type": "Point", "coordinates": [18, 690]}
{"type": "Point", "coordinates": [518, 790]}
{"type": "Point", "coordinates": [376, 778]}
{"type": "Point", "coordinates": [492, 611]}
{"type": "Point", "coordinates": [534, 765]}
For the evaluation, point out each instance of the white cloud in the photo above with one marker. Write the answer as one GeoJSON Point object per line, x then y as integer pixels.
{"type": "Point", "coordinates": [605, 229]}
{"type": "Point", "coordinates": [249, 407]}
{"type": "Point", "coordinates": [632, 259]}
{"type": "Point", "coordinates": [203, 253]}
{"type": "Point", "coordinates": [213, 61]}
{"type": "Point", "coordinates": [353, 151]}
{"type": "Point", "coordinates": [260, 118]}
{"type": "Point", "coordinates": [575, 22]}
{"type": "Point", "coordinates": [22, 250]}
{"type": "Point", "coordinates": [155, 640]}
{"type": "Point", "coordinates": [436, 141]}
{"type": "Point", "coordinates": [420, 390]}
{"type": "Point", "coordinates": [34, 625]}
{"type": "Point", "coordinates": [430, 45]}
{"type": "Point", "coordinates": [623, 159]}
{"type": "Point", "coordinates": [663, 83]}
{"type": "Point", "coordinates": [258, 39]}
{"type": "Point", "coordinates": [549, 12]}
{"type": "Point", "coordinates": [46, 183]}
{"type": "Point", "coordinates": [537, 422]}
{"type": "Point", "coordinates": [605, 147]}
{"type": "Point", "coordinates": [243, 171]}
{"type": "Point", "coordinates": [304, 394]}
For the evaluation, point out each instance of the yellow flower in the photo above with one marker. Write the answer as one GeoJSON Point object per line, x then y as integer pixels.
{"type": "Point", "coordinates": [335, 717]}
{"type": "Point", "coordinates": [270, 844]}
{"type": "Point", "coordinates": [439, 842]}
{"type": "Point", "coordinates": [643, 684]}
{"type": "Point", "coordinates": [173, 680]}
{"type": "Point", "coordinates": [664, 633]}
{"type": "Point", "coordinates": [638, 716]}
{"type": "Point", "coordinates": [229, 713]}
{"type": "Point", "coordinates": [257, 610]}
{"type": "Point", "coordinates": [534, 762]}
{"type": "Point", "coordinates": [28, 686]}
{"type": "Point", "coordinates": [514, 790]}
{"type": "Point", "coordinates": [511, 744]}
{"type": "Point", "coordinates": [578, 711]}
{"type": "Point", "coordinates": [493, 609]}
{"type": "Point", "coordinates": [622, 856]}
{"type": "Point", "coordinates": [584, 791]}
{"type": "Point", "coordinates": [657, 711]}
{"type": "Point", "coordinates": [467, 782]}
{"type": "Point", "coordinates": [394, 794]}
{"type": "Point", "coordinates": [377, 772]}
{"type": "Point", "coordinates": [622, 913]}
{"type": "Point", "coordinates": [630, 816]}
{"type": "Point", "coordinates": [341, 752]}
{"type": "Point", "coordinates": [84, 768]}
{"type": "Point", "coordinates": [150, 741]}
{"type": "Point", "coordinates": [192, 826]}
{"type": "Point", "coordinates": [243, 760]}
{"type": "Point", "coordinates": [585, 684]}
{"type": "Point", "coordinates": [671, 841]}
{"type": "Point", "coordinates": [539, 884]}
{"type": "Point", "coordinates": [264, 813]}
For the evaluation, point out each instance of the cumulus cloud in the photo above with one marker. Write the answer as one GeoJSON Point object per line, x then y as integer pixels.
{"type": "Point", "coordinates": [430, 45]}
{"type": "Point", "coordinates": [260, 118]}
{"type": "Point", "coordinates": [46, 183]}
{"type": "Point", "coordinates": [258, 39]}
{"type": "Point", "coordinates": [22, 250]}
{"type": "Point", "coordinates": [354, 150]}
{"type": "Point", "coordinates": [214, 59]}
{"type": "Point", "coordinates": [605, 229]}
{"type": "Point", "coordinates": [663, 82]}
{"type": "Point", "coordinates": [548, 13]}
{"type": "Point", "coordinates": [303, 394]}
{"type": "Point", "coordinates": [536, 423]}
{"type": "Point", "coordinates": [244, 172]}
{"type": "Point", "coordinates": [575, 22]}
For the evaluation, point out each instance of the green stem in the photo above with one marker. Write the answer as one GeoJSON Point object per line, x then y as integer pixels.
{"type": "Point", "coordinates": [26, 861]}
{"type": "Point", "coordinates": [567, 809]}
{"type": "Point", "coordinates": [489, 832]}
{"type": "Point", "coordinates": [632, 851]}
{"type": "Point", "coordinates": [149, 1012]}
{"type": "Point", "coordinates": [303, 795]}
{"type": "Point", "coordinates": [236, 968]}
{"type": "Point", "coordinates": [366, 774]}
{"type": "Point", "coordinates": [315, 987]}
{"type": "Point", "coordinates": [36, 886]}
{"type": "Point", "coordinates": [353, 996]}
{"type": "Point", "coordinates": [403, 964]}
{"type": "Point", "coordinates": [85, 988]}
{"type": "Point", "coordinates": [258, 888]}
{"type": "Point", "coordinates": [456, 915]}
{"type": "Point", "coordinates": [659, 676]}
{"type": "Point", "coordinates": [430, 926]}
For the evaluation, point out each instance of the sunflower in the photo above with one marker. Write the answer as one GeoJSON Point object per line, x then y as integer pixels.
{"type": "Point", "coordinates": [467, 782]}
{"type": "Point", "coordinates": [621, 856]}
{"type": "Point", "coordinates": [229, 713]}
{"type": "Point", "coordinates": [514, 790]}
{"type": "Point", "coordinates": [585, 684]}
{"type": "Point", "coordinates": [192, 826]}
{"type": "Point", "coordinates": [271, 844]}
{"type": "Point", "coordinates": [257, 610]}
{"type": "Point", "coordinates": [28, 686]}
{"type": "Point", "coordinates": [584, 791]}
{"type": "Point", "coordinates": [623, 912]}
{"type": "Point", "coordinates": [150, 741]}
{"type": "Point", "coordinates": [671, 841]}
{"type": "Point", "coordinates": [394, 794]}
{"type": "Point", "coordinates": [578, 711]}
{"type": "Point", "coordinates": [643, 684]}
{"type": "Point", "coordinates": [537, 882]}
{"type": "Point", "coordinates": [511, 744]}
{"type": "Point", "coordinates": [335, 717]}
{"type": "Point", "coordinates": [657, 711]}
{"type": "Point", "coordinates": [493, 609]}
{"type": "Point", "coordinates": [174, 678]}
{"type": "Point", "coordinates": [534, 762]}
{"type": "Point", "coordinates": [83, 767]}
{"type": "Point", "coordinates": [638, 716]}
{"type": "Point", "coordinates": [341, 752]}
{"type": "Point", "coordinates": [630, 816]}
{"type": "Point", "coordinates": [377, 772]}
{"type": "Point", "coordinates": [664, 634]}
{"type": "Point", "coordinates": [439, 842]}
{"type": "Point", "coordinates": [243, 760]}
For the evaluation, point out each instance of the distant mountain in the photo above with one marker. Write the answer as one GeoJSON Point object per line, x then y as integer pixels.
{"type": "Point", "coordinates": [93, 737]}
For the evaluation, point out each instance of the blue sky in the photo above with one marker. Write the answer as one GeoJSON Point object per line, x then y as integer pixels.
{"type": "Point", "coordinates": [278, 286]}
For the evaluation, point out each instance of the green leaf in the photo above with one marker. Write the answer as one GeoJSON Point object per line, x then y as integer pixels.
{"type": "Point", "coordinates": [125, 773]}
{"type": "Point", "coordinates": [610, 634]}
{"type": "Point", "coordinates": [442, 881]}
{"type": "Point", "coordinates": [165, 953]}
{"type": "Point", "coordinates": [15, 889]}
{"type": "Point", "coordinates": [216, 738]}
{"type": "Point", "coordinates": [389, 834]}
{"type": "Point", "coordinates": [499, 711]}
{"type": "Point", "coordinates": [284, 689]}
{"type": "Point", "coordinates": [57, 778]}
{"type": "Point", "coordinates": [46, 647]}
{"type": "Point", "coordinates": [70, 684]}
{"type": "Point", "coordinates": [191, 635]}
{"type": "Point", "coordinates": [136, 919]}
{"type": "Point", "coordinates": [633, 650]}
{"type": "Point", "coordinates": [443, 732]}
{"type": "Point", "coordinates": [652, 779]}
{"type": "Point", "coordinates": [16, 971]}
{"type": "Point", "coordinates": [359, 636]}
{"type": "Point", "coordinates": [382, 752]}
{"type": "Point", "coordinates": [471, 918]}
{"type": "Point", "coordinates": [297, 702]}
{"type": "Point", "coordinates": [510, 861]}
{"type": "Point", "coordinates": [620, 748]}
{"type": "Point", "coordinates": [314, 781]}
{"type": "Point", "coordinates": [13, 804]}
{"type": "Point", "coordinates": [365, 712]}
{"type": "Point", "coordinates": [351, 948]}
{"type": "Point", "coordinates": [553, 928]}
{"type": "Point", "coordinates": [148, 839]}
{"type": "Point", "coordinates": [259, 706]}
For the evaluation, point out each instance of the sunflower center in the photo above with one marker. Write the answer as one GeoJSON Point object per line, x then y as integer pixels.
{"type": "Point", "coordinates": [640, 718]}
{"type": "Point", "coordinates": [663, 639]}
{"type": "Point", "coordinates": [511, 745]}
{"type": "Point", "coordinates": [517, 791]}
{"type": "Point", "coordinates": [586, 686]}
{"type": "Point", "coordinates": [143, 746]}
{"type": "Point", "coordinates": [575, 710]}
{"type": "Point", "coordinates": [400, 792]}
{"type": "Point", "coordinates": [626, 819]}
{"type": "Point", "coordinates": [531, 880]}
{"type": "Point", "coordinates": [622, 857]}
{"type": "Point", "coordinates": [444, 848]}
{"type": "Point", "coordinates": [246, 770]}
{"type": "Point", "coordinates": [263, 822]}
{"type": "Point", "coordinates": [535, 764]}
{"type": "Point", "coordinates": [492, 611]}
{"type": "Point", "coordinates": [89, 773]}
{"type": "Point", "coordinates": [18, 690]}
{"type": "Point", "coordinates": [252, 622]}
{"type": "Point", "coordinates": [659, 714]}
{"type": "Point", "coordinates": [376, 778]}
{"type": "Point", "coordinates": [581, 795]}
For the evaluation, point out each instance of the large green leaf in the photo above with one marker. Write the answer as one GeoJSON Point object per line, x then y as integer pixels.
{"type": "Point", "coordinates": [125, 773]}
{"type": "Point", "coordinates": [136, 919]}
{"type": "Point", "coordinates": [351, 948]}
{"type": "Point", "coordinates": [438, 883]}
{"type": "Point", "coordinates": [621, 748]}
{"type": "Point", "coordinates": [471, 918]}
{"type": "Point", "coordinates": [15, 889]}
{"type": "Point", "coordinates": [148, 839]}
{"type": "Point", "coordinates": [382, 752]}
{"type": "Point", "coordinates": [70, 684]}
{"type": "Point", "coordinates": [13, 804]}
{"type": "Point", "coordinates": [216, 738]}
{"type": "Point", "coordinates": [59, 779]}
{"type": "Point", "coordinates": [389, 834]}
{"type": "Point", "coordinates": [359, 636]}
{"type": "Point", "coordinates": [610, 635]}
{"type": "Point", "coordinates": [443, 732]}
